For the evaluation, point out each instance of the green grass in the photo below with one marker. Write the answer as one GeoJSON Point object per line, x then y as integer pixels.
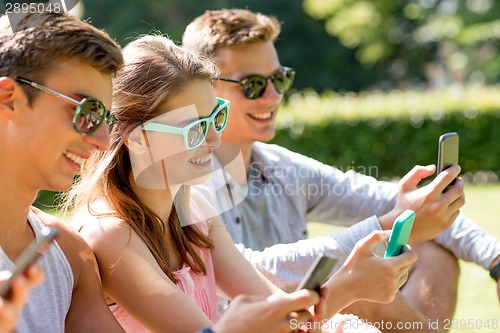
{"type": "Point", "coordinates": [477, 297]}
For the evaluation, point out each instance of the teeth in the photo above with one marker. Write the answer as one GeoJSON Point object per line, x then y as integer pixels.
{"type": "Point", "coordinates": [262, 116]}
{"type": "Point", "coordinates": [201, 160]}
{"type": "Point", "coordinates": [77, 159]}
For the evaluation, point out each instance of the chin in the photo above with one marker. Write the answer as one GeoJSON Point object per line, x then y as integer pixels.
{"type": "Point", "coordinates": [61, 187]}
{"type": "Point", "coordinates": [266, 137]}
{"type": "Point", "coordinates": [202, 179]}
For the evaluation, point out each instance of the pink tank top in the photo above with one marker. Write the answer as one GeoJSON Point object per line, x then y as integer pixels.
{"type": "Point", "coordinates": [201, 288]}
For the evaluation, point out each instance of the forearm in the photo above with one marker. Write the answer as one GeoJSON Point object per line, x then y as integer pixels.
{"type": "Point", "coordinates": [468, 241]}
{"type": "Point", "coordinates": [286, 264]}
{"type": "Point", "coordinates": [341, 295]}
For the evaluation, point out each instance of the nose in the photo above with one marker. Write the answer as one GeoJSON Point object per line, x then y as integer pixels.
{"type": "Point", "coordinates": [213, 138]}
{"type": "Point", "coordinates": [270, 93]}
{"type": "Point", "coordinates": [99, 139]}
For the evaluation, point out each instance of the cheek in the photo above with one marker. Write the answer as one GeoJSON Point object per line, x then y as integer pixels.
{"type": "Point", "coordinates": [163, 145]}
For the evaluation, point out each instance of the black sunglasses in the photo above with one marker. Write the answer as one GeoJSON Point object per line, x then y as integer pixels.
{"type": "Point", "coordinates": [255, 85]}
{"type": "Point", "coordinates": [90, 112]}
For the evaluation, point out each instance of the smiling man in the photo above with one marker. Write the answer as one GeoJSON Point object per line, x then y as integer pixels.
{"type": "Point", "coordinates": [286, 189]}
{"type": "Point", "coordinates": [55, 88]}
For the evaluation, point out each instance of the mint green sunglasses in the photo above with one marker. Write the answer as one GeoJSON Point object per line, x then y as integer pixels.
{"type": "Point", "coordinates": [196, 132]}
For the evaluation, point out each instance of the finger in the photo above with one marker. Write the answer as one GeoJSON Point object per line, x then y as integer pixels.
{"type": "Point", "coordinates": [406, 248]}
{"type": "Point", "coordinates": [34, 274]}
{"type": "Point", "coordinates": [404, 270]}
{"type": "Point", "coordinates": [8, 316]}
{"type": "Point", "coordinates": [402, 260]}
{"type": "Point", "coordinates": [415, 175]}
{"type": "Point", "coordinates": [365, 245]}
{"type": "Point", "coordinates": [458, 203]}
{"type": "Point", "coordinates": [296, 301]}
{"type": "Point", "coordinates": [20, 291]}
{"type": "Point", "coordinates": [445, 178]}
{"type": "Point", "coordinates": [320, 308]}
{"type": "Point", "coordinates": [402, 280]}
{"type": "Point", "coordinates": [455, 192]}
{"type": "Point", "coordinates": [302, 316]}
{"type": "Point", "coordinates": [282, 326]}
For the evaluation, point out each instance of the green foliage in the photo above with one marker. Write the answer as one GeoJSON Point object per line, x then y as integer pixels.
{"type": "Point", "coordinates": [385, 135]}
{"type": "Point", "coordinates": [405, 36]}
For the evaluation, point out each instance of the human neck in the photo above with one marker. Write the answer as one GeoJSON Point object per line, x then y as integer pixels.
{"type": "Point", "coordinates": [15, 231]}
{"type": "Point", "coordinates": [158, 200]}
{"type": "Point", "coordinates": [15, 204]}
{"type": "Point", "coordinates": [246, 153]}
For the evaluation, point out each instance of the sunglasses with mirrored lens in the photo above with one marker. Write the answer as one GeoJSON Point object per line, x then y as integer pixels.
{"type": "Point", "coordinates": [255, 85]}
{"type": "Point", "coordinates": [90, 112]}
{"type": "Point", "coordinates": [196, 132]}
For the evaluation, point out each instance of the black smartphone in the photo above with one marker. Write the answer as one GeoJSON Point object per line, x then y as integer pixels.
{"type": "Point", "coordinates": [447, 153]}
{"type": "Point", "coordinates": [317, 273]}
{"type": "Point", "coordinates": [32, 252]}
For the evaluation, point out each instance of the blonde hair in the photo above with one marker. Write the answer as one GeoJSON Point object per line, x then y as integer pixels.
{"type": "Point", "coordinates": [216, 29]}
{"type": "Point", "coordinates": [155, 69]}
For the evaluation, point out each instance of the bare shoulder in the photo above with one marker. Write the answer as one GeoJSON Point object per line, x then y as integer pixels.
{"type": "Point", "coordinates": [75, 248]}
{"type": "Point", "coordinates": [102, 232]}
{"type": "Point", "coordinates": [69, 240]}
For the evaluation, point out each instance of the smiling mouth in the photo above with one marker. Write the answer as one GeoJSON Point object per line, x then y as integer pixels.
{"type": "Point", "coordinates": [77, 159]}
{"type": "Point", "coordinates": [261, 116]}
{"type": "Point", "coordinates": [201, 160]}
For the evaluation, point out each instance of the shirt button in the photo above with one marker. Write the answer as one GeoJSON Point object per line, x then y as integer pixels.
{"type": "Point", "coordinates": [237, 220]}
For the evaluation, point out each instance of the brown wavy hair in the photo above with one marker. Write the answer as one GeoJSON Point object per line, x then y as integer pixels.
{"type": "Point", "coordinates": [155, 70]}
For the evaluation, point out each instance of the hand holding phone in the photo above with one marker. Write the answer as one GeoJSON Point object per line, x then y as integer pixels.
{"type": "Point", "coordinates": [317, 273]}
{"type": "Point", "coordinates": [32, 252]}
{"type": "Point", "coordinates": [401, 230]}
{"type": "Point", "coordinates": [447, 153]}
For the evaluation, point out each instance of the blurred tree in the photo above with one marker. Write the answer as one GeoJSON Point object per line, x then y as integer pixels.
{"type": "Point", "coordinates": [433, 41]}
{"type": "Point", "coordinates": [321, 61]}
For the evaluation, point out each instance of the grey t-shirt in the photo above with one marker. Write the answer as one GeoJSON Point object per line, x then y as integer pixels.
{"type": "Point", "coordinates": [286, 190]}
{"type": "Point", "coordinates": [48, 304]}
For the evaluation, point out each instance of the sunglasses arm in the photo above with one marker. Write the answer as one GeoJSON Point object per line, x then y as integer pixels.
{"type": "Point", "coordinates": [226, 79]}
{"type": "Point", "coordinates": [48, 90]}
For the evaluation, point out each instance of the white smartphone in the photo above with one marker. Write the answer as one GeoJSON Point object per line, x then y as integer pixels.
{"type": "Point", "coordinates": [447, 153]}
{"type": "Point", "coordinates": [318, 273]}
{"type": "Point", "coordinates": [32, 252]}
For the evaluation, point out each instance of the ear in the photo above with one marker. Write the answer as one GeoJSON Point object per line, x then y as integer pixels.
{"type": "Point", "coordinates": [8, 90]}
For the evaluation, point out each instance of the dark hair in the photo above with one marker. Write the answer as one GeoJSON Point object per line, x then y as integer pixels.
{"type": "Point", "coordinates": [52, 37]}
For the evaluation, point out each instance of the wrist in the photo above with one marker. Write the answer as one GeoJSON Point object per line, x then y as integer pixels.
{"type": "Point", "coordinates": [341, 292]}
{"type": "Point", "coordinates": [386, 221]}
{"type": "Point", "coordinates": [495, 262]}
{"type": "Point", "coordinates": [495, 269]}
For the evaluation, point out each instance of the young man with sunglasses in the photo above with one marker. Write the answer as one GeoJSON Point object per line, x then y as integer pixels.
{"type": "Point", "coordinates": [285, 189]}
{"type": "Point", "coordinates": [55, 88]}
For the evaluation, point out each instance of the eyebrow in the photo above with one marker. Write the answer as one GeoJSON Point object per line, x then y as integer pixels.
{"type": "Point", "coordinates": [190, 120]}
